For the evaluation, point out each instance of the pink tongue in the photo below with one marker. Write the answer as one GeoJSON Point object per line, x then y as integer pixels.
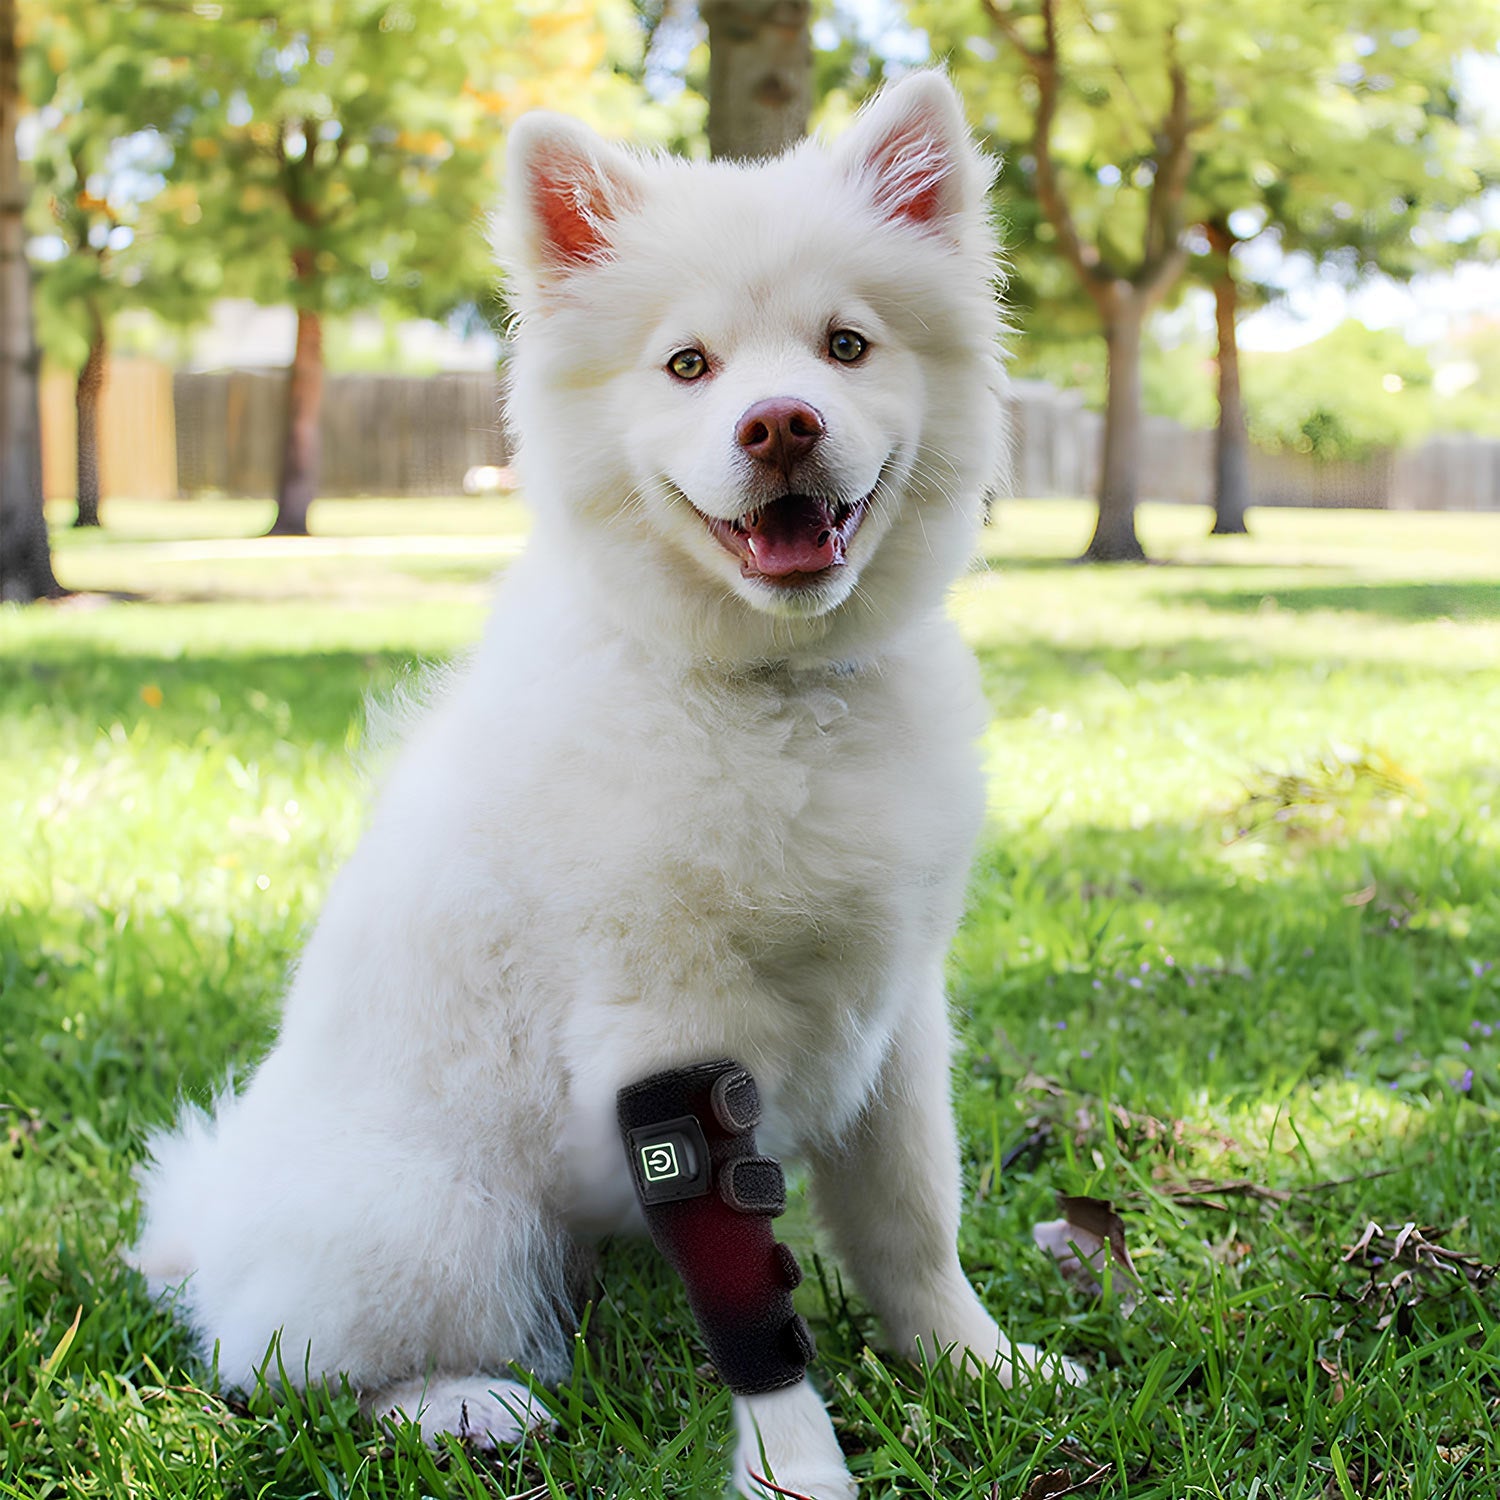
{"type": "Point", "coordinates": [794, 535]}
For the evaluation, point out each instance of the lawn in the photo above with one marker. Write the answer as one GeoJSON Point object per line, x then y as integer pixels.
{"type": "Point", "coordinates": [1232, 961]}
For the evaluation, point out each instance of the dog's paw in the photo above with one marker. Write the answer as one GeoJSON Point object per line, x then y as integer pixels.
{"type": "Point", "coordinates": [484, 1412]}
{"type": "Point", "coordinates": [823, 1483]}
{"type": "Point", "coordinates": [1022, 1364]}
{"type": "Point", "coordinates": [828, 1480]}
{"type": "Point", "coordinates": [786, 1447]}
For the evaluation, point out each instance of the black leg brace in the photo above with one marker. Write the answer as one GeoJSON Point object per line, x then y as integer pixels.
{"type": "Point", "coordinates": [709, 1200]}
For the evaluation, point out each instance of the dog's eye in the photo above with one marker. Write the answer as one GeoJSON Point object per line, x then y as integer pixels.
{"type": "Point", "coordinates": [688, 364]}
{"type": "Point", "coordinates": [846, 346]}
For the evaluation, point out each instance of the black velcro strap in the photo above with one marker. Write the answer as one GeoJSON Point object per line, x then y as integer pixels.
{"type": "Point", "coordinates": [736, 1101]}
{"type": "Point", "coordinates": [754, 1185]}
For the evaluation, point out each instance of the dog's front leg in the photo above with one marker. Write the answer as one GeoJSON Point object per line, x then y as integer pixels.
{"type": "Point", "coordinates": [889, 1195]}
{"type": "Point", "coordinates": [708, 1197]}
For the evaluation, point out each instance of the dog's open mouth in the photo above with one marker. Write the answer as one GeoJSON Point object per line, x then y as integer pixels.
{"type": "Point", "coordinates": [792, 540]}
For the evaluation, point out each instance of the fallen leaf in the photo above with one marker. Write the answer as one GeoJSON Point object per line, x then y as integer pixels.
{"type": "Point", "coordinates": [1048, 1486]}
{"type": "Point", "coordinates": [1089, 1233]}
{"type": "Point", "coordinates": [1336, 1375]}
{"type": "Point", "coordinates": [1056, 1483]}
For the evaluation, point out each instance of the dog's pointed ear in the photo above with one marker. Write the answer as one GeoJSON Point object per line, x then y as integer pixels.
{"type": "Point", "coordinates": [567, 189]}
{"type": "Point", "coordinates": [912, 151]}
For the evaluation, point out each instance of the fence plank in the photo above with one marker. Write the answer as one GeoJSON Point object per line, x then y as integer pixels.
{"type": "Point", "coordinates": [136, 432]}
{"type": "Point", "coordinates": [382, 434]}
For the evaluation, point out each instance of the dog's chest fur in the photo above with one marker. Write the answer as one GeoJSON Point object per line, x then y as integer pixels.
{"type": "Point", "coordinates": [679, 865]}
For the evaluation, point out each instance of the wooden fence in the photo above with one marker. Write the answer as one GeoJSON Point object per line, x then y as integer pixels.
{"type": "Point", "coordinates": [137, 448]}
{"type": "Point", "coordinates": [382, 434]}
{"type": "Point", "coordinates": [221, 433]}
{"type": "Point", "coordinates": [1056, 450]}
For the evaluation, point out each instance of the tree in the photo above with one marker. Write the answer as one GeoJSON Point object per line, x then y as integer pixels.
{"type": "Point", "coordinates": [98, 165]}
{"type": "Point", "coordinates": [333, 157]}
{"type": "Point", "coordinates": [341, 155]}
{"type": "Point", "coordinates": [1113, 105]}
{"type": "Point", "coordinates": [1231, 435]}
{"type": "Point", "coordinates": [1350, 164]}
{"type": "Point", "coordinates": [760, 75]}
{"type": "Point", "coordinates": [25, 558]}
{"type": "Point", "coordinates": [1107, 99]}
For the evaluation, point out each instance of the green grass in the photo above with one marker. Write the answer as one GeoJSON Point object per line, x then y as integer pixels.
{"type": "Point", "coordinates": [1237, 918]}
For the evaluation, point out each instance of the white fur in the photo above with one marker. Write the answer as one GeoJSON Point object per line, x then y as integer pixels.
{"type": "Point", "coordinates": [487, 1413]}
{"type": "Point", "coordinates": [665, 813]}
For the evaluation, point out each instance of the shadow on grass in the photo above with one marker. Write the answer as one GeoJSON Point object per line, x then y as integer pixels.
{"type": "Point", "coordinates": [124, 1018]}
{"type": "Point", "coordinates": [1275, 980]}
{"type": "Point", "coordinates": [1001, 563]}
{"type": "Point", "coordinates": [1466, 600]}
{"type": "Point", "coordinates": [1021, 676]}
{"type": "Point", "coordinates": [318, 698]}
{"type": "Point", "coordinates": [252, 699]}
{"type": "Point", "coordinates": [1205, 966]}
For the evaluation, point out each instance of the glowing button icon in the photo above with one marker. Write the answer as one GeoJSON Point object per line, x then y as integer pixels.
{"type": "Point", "coordinates": [659, 1161]}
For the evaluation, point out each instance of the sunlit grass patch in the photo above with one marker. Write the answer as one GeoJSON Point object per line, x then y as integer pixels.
{"type": "Point", "coordinates": [1253, 1032]}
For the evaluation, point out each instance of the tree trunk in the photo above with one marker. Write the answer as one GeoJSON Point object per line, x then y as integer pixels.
{"type": "Point", "coordinates": [759, 75]}
{"type": "Point", "coordinates": [25, 557]}
{"type": "Point", "coordinates": [1232, 439]}
{"type": "Point", "coordinates": [303, 452]}
{"type": "Point", "coordinates": [86, 399]}
{"type": "Point", "coordinates": [1120, 471]}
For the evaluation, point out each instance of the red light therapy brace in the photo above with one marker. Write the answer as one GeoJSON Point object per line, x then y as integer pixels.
{"type": "Point", "coordinates": [709, 1200]}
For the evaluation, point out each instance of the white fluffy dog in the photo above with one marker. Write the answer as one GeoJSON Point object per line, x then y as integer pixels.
{"type": "Point", "coordinates": [706, 788]}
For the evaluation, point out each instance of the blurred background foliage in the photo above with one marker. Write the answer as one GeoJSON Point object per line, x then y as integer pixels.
{"type": "Point", "coordinates": [1179, 176]}
{"type": "Point", "coordinates": [184, 152]}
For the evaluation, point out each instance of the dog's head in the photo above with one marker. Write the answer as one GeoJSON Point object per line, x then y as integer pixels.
{"type": "Point", "coordinates": [761, 403]}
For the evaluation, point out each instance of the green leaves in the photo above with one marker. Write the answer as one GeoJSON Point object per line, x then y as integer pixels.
{"type": "Point", "coordinates": [194, 151]}
{"type": "Point", "coordinates": [97, 213]}
{"type": "Point", "coordinates": [1333, 122]}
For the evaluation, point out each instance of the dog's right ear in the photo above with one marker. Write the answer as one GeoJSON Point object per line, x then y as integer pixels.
{"type": "Point", "coordinates": [567, 187]}
{"type": "Point", "coordinates": [912, 150]}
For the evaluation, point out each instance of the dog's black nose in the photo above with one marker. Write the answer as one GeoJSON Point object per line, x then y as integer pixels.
{"type": "Point", "coordinates": [778, 432]}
